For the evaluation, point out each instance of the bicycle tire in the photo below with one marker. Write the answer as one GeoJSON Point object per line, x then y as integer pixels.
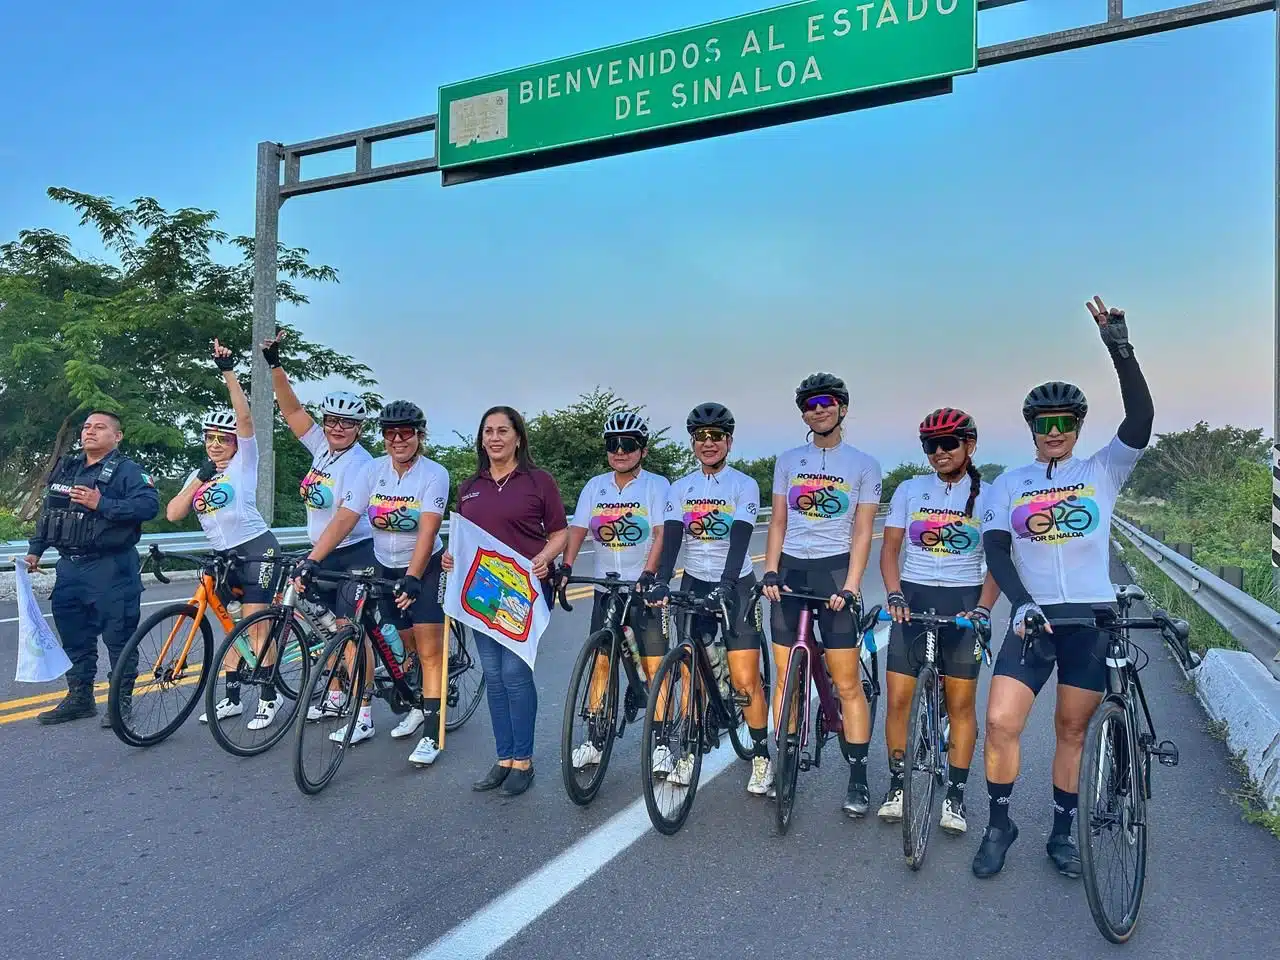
{"type": "Point", "coordinates": [923, 722]}
{"type": "Point", "coordinates": [681, 654]}
{"type": "Point", "coordinates": [600, 642]}
{"type": "Point", "coordinates": [1090, 768]}
{"type": "Point", "coordinates": [315, 689]}
{"type": "Point", "coordinates": [794, 689]}
{"type": "Point", "coordinates": [122, 729]}
{"type": "Point", "coordinates": [282, 726]}
{"type": "Point", "coordinates": [744, 747]}
{"type": "Point", "coordinates": [463, 662]}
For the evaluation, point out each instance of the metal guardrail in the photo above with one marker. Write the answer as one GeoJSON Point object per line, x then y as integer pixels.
{"type": "Point", "coordinates": [1246, 618]}
{"type": "Point", "coordinates": [193, 541]}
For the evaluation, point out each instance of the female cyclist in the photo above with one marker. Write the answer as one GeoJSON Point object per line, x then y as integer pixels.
{"type": "Point", "coordinates": [337, 455]}
{"type": "Point", "coordinates": [943, 570]}
{"type": "Point", "coordinates": [403, 495]}
{"type": "Point", "coordinates": [1046, 529]}
{"type": "Point", "coordinates": [622, 511]}
{"type": "Point", "coordinates": [716, 507]}
{"type": "Point", "coordinates": [825, 497]}
{"type": "Point", "coordinates": [224, 495]}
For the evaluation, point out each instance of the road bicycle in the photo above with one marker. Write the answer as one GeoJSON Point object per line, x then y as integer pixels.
{"type": "Point", "coordinates": [929, 729]}
{"type": "Point", "coordinates": [1115, 764]}
{"type": "Point", "coordinates": [344, 676]}
{"type": "Point", "coordinates": [165, 659]}
{"type": "Point", "coordinates": [593, 697]}
{"type": "Point", "coordinates": [807, 665]}
{"type": "Point", "coordinates": [691, 705]}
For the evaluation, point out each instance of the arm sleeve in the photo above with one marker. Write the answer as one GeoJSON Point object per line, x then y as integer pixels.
{"type": "Point", "coordinates": [582, 512]}
{"type": "Point", "coordinates": [314, 440]}
{"type": "Point", "coordinates": [138, 501]}
{"type": "Point", "coordinates": [898, 508]}
{"type": "Point", "coordinates": [998, 547]}
{"type": "Point", "coordinates": [672, 537]}
{"type": "Point", "coordinates": [739, 540]}
{"type": "Point", "coordinates": [1139, 411]}
{"type": "Point", "coordinates": [870, 482]}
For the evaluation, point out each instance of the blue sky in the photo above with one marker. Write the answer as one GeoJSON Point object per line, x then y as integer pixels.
{"type": "Point", "coordinates": [937, 252]}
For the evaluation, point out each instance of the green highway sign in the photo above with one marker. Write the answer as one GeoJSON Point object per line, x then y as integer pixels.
{"type": "Point", "coordinates": [755, 64]}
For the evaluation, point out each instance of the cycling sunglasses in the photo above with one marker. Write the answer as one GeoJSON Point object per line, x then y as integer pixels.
{"type": "Point", "coordinates": [709, 434]}
{"type": "Point", "coordinates": [213, 436]}
{"type": "Point", "coordinates": [399, 433]}
{"type": "Point", "coordinates": [622, 444]}
{"type": "Point", "coordinates": [822, 400]}
{"type": "Point", "coordinates": [1064, 422]}
{"type": "Point", "coordinates": [933, 444]}
{"type": "Point", "coordinates": [344, 423]}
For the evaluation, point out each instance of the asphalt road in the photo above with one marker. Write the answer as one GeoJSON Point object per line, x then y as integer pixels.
{"type": "Point", "coordinates": [182, 850]}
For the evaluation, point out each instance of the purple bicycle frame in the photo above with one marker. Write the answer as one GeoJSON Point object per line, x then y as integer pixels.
{"type": "Point", "coordinates": [828, 702]}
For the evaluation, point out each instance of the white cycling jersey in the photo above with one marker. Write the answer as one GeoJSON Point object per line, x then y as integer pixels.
{"type": "Point", "coordinates": [227, 504]}
{"type": "Point", "coordinates": [941, 547]}
{"type": "Point", "coordinates": [707, 506]}
{"type": "Point", "coordinates": [393, 505]}
{"type": "Point", "coordinates": [622, 522]}
{"type": "Point", "coordinates": [823, 487]}
{"type": "Point", "coordinates": [322, 487]}
{"type": "Point", "coordinates": [1061, 526]}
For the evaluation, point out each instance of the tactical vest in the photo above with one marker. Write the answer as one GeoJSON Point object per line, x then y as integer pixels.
{"type": "Point", "coordinates": [72, 528]}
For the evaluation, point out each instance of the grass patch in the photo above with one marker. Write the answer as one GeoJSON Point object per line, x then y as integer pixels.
{"type": "Point", "coordinates": [1252, 802]}
{"type": "Point", "coordinates": [1206, 632]}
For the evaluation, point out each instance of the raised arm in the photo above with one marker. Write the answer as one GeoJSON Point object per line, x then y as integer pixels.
{"type": "Point", "coordinates": [239, 402]}
{"type": "Point", "coordinates": [291, 409]}
{"type": "Point", "coordinates": [1139, 410]}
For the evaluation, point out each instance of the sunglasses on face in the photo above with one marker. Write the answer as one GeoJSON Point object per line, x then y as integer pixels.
{"type": "Point", "coordinates": [934, 444]}
{"type": "Point", "coordinates": [825, 400]}
{"type": "Point", "coordinates": [395, 434]}
{"type": "Point", "coordinates": [709, 435]}
{"type": "Point", "coordinates": [1063, 422]}
{"type": "Point", "coordinates": [223, 438]}
{"type": "Point", "coordinates": [340, 423]}
{"type": "Point", "coordinates": [622, 445]}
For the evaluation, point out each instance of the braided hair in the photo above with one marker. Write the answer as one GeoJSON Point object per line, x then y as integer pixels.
{"type": "Point", "coordinates": [975, 484]}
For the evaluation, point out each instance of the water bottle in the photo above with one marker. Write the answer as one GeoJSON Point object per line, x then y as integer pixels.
{"type": "Point", "coordinates": [629, 637]}
{"type": "Point", "coordinates": [392, 636]}
{"type": "Point", "coordinates": [322, 617]}
{"type": "Point", "coordinates": [720, 668]}
{"type": "Point", "coordinates": [235, 611]}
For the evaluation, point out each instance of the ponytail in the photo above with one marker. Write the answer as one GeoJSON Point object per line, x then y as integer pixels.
{"type": "Point", "coordinates": [975, 484]}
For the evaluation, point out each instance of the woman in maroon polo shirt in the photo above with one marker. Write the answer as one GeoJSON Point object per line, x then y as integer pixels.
{"type": "Point", "coordinates": [511, 499]}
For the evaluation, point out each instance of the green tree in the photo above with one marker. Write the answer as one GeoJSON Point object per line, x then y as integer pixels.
{"type": "Point", "coordinates": [990, 471]}
{"type": "Point", "coordinates": [903, 471]}
{"type": "Point", "coordinates": [131, 336]}
{"type": "Point", "coordinates": [760, 470]}
{"type": "Point", "coordinates": [1203, 452]}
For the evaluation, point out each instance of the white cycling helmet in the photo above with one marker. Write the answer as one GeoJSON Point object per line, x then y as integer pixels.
{"type": "Point", "coordinates": [340, 403]}
{"type": "Point", "coordinates": [224, 420]}
{"type": "Point", "coordinates": [624, 422]}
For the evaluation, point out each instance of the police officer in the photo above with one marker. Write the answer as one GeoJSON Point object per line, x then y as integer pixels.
{"type": "Point", "coordinates": [93, 513]}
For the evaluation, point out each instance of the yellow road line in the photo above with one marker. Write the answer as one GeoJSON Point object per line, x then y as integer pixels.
{"type": "Point", "coordinates": [101, 698]}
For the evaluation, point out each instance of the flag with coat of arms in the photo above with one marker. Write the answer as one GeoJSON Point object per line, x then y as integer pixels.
{"type": "Point", "coordinates": [492, 589]}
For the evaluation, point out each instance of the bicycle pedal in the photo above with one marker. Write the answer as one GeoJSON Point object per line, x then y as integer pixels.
{"type": "Point", "coordinates": [1167, 753]}
{"type": "Point", "coordinates": [806, 762]}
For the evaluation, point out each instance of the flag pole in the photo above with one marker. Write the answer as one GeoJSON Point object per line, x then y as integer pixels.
{"type": "Point", "coordinates": [444, 676]}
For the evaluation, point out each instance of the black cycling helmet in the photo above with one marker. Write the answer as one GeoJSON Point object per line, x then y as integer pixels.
{"type": "Point", "coordinates": [709, 415]}
{"type": "Point", "coordinates": [402, 413]}
{"type": "Point", "coordinates": [817, 384]}
{"type": "Point", "coordinates": [1054, 395]}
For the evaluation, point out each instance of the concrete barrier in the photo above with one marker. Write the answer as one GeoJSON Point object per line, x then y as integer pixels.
{"type": "Point", "coordinates": [1237, 690]}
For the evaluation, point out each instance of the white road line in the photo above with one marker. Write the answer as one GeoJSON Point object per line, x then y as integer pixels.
{"type": "Point", "coordinates": [145, 603]}
{"type": "Point", "coordinates": [502, 919]}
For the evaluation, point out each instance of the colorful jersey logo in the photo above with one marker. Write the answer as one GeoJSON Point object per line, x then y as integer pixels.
{"type": "Point", "coordinates": [619, 525]}
{"type": "Point", "coordinates": [317, 490]}
{"type": "Point", "coordinates": [817, 496]}
{"type": "Point", "coordinates": [213, 496]}
{"type": "Point", "coordinates": [1056, 516]}
{"type": "Point", "coordinates": [944, 533]}
{"type": "Point", "coordinates": [499, 592]}
{"type": "Point", "coordinates": [708, 519]}
{"type": "Point", "coordinates": [394, 514]}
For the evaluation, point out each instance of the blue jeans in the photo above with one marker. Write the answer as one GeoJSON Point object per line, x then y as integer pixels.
{"type": "Point", "coordinates": [513, 699]}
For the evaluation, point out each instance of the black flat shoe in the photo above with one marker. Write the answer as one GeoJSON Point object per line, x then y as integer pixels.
{"type": "Point", "coordinates": [1064, 854]}
{"type": "Point", "coordinates": [989, 860]}
{"type": "Point", "coordinates": [497, 773]}
{"type": "Point", "coordinates": [518, 782]}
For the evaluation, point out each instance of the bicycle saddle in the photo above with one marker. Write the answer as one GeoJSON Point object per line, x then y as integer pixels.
{"type": "Point", "coordinates": [1129, 591]}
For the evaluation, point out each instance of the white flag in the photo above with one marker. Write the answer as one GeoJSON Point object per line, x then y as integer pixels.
{"type": "Point", "coordinates": [492, 589]}
{"type": "Point", "coordinates": [40, 655]}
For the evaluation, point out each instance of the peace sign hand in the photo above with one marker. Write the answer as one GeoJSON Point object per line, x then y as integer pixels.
{"type": "Point", "coordinates": [1111, 325]}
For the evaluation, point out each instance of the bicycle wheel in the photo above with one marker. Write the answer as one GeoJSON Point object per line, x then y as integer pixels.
{"type": "Point", "coordinates": [280, 669]}
{"type": "Point", "coordinates": [337, 682]}
{"type": "Point", "coordinates": [1112, 817]}
{"type": "Point", "coordinates": [596, 704]}
{"type": "Point", "coordinates": [671, 745]}
{"type": "Point", "coordinates": [795, 691]}
{"type": "Point", "coordinates": [739, 732]}
{"type": "Point", "coordinates": [923, 768]}
{"type": "Point", "coordinates": [168, 680]}
{"type": "Point", "coordinates": [466, 678]}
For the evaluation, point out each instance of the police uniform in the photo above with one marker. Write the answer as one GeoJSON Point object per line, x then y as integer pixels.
{"type": "Point", "coordinates": [98, 586]}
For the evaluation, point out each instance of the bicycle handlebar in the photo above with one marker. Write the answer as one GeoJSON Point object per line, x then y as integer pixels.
{"type": "Point", "coordinates": [613, 584]}
{"type": "Point", "coordinates": [758, 591]}
{"type": "Point", "coordinates": [930, 620]}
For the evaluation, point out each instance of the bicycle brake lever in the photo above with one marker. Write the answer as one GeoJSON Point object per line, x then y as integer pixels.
{"type": "Point", "coordinates": [563, 596]}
